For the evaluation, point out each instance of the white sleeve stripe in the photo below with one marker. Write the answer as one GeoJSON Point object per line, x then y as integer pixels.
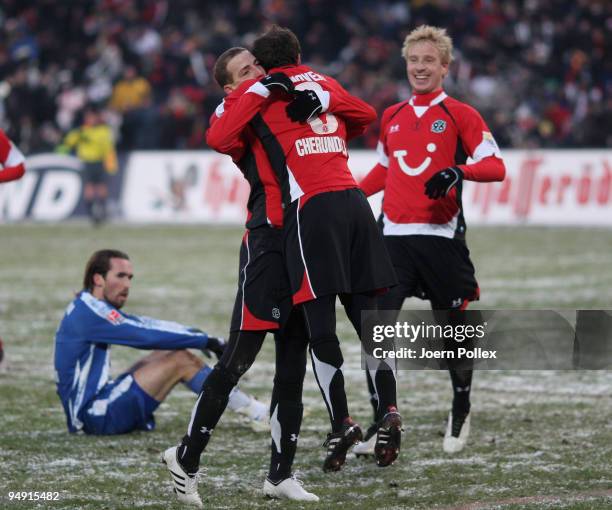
{"type": "Point", "coordinates": [101, 309]}
{"type": "Point", "coordinates": [83, 377]}
{"type": "Point", "coordinates": [487, 147]}
{"type": "Point", "coordinates": [383, 159]}
{"type": "Point", "coordinates": [220, 109]}
{"type": "Point", "coordinates": [259, 89]}
{"type": "Point", "coordinates": [15, 157]}
{"type": "Point", "coordinates": [324, 97]}
{"type": "Point", "coordinates": [161, 325]}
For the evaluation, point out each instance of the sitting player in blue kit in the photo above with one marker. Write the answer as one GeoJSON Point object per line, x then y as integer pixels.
{"type": "Point", "coordinates": [95, 403]}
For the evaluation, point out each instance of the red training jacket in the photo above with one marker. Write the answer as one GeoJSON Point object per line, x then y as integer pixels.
{"type": "Point", "coordinates": [419, 137]}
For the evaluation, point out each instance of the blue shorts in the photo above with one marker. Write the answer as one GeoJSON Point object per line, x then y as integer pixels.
{"type": "Point", "coordinates": [121, 406]}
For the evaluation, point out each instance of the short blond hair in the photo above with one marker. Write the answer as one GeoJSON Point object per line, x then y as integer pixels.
{"type": "Point", "coordinates": [437, 36]}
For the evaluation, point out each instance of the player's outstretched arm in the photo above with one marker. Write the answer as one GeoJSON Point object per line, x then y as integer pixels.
{"type": "Point", "coordinates": [233, 116]}
{"type": "Point", "coordinates": [478, 142]}
{"type": "Point", "coordinates": [214, 345]}
{"type": "Point", "coordinates": [488, 169]}
{"type": "Point", "coordinates": [12, 173]}
{"type": "Point", "coordinates": [374, 181]}
{"type": "Point", "coordinates": [12, 160]}
{"type": "Point", "coordinates": [333, 98]}
{"type": "Point", "coordinates": [105, 324]}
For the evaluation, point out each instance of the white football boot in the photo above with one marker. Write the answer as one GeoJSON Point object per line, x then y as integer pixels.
{"type": "Point", "coordinates": [258, 415]}
{"type": "Point", "coordinates": [185, 486]}
{"type": "Point", "coordinates": [365, 448]}
{"type": "Point", "coordinates": [289, 488]}
{"type": "Point", "coordinates": [455, 440]}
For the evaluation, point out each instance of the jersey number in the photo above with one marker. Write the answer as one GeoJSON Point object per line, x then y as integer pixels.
{"type": "Point", "coordinates": [317, 124]}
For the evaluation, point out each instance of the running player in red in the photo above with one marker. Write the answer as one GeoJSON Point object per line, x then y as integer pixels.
{"type": "Point", "coordinates": [331, 242]}
{"type": "Point", "coordinates": [263, 304]}
{"type": "Point", "coordinates": [12, 162]}
{"type": "Point", "coordinates": [423, 146]}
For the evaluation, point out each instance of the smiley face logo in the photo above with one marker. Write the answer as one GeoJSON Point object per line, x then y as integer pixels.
{"type": "Point", "coordinates": [412, 171]}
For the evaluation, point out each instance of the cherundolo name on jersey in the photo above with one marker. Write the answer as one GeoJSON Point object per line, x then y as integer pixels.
{"type": "Point", "coordinates": [320, 145]}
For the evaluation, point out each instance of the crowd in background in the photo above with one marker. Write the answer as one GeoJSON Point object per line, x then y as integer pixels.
{"type": "Point", "coordinates": [536, 69]}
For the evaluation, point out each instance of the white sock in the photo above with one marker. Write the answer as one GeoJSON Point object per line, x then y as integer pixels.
{"type": "Point", "coordinates": [238, 399]}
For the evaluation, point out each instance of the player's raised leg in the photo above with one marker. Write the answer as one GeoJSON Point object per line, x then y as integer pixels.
{"type": "Point", "coordinates": [327, 361]}
{"type": "Point", "coordinates": [382, 374]}
{"type": "Point", "coordinates": [391, 303]}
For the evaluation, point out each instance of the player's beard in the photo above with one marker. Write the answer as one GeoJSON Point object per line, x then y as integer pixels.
{"type": "Point", "coordinates": [116, 302]}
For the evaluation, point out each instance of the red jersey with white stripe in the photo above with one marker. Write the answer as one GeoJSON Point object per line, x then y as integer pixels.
{"type": "Point", "coordinates": [418, 138]}
{"type": "Point", "coordinates": [11, 160]}
{"type": "Point", "coordinates": [230, 133]}
{"type": "Point", "coordinates": [316, 152]}
{"type": "Point", "coordinates": [311, 157]}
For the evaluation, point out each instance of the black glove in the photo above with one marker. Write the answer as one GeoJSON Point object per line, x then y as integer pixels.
{"type": "Point", "coordinates": [304, 106]}
{"type": "Point", "coordinates": [216, 346]}
{"type": "Point", "coordinates": [442, 182]}
{"type": "Point", "coordinates": [277, 81]}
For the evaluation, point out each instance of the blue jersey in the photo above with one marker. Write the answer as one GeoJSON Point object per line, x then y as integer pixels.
{"type": "Point", "coordinates": [82, 348]}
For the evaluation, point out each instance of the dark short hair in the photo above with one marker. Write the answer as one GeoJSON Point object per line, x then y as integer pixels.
{"type": "Point", "coordinates": [277, 47]}
{"type": "Point", "coordinates": [220, 72]}
{"type": "Point", "coordinates": [99, 263]}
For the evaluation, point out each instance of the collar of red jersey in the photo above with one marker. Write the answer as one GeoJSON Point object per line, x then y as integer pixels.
{"type": "Point", "coordinates": [429, 99]}
{"type": "Point", "coordinates": [286, 67]}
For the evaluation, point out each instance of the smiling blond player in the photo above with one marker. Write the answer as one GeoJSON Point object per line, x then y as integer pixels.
{"type": "Point", "coordinates": [423, 146]}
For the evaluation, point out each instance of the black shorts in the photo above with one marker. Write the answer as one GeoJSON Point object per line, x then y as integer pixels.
{"type": "Point", "coordinates": [434, 268]}
{"type": "Point", "coordinates": [333, 246]}
{"type": "Point", "coordinates": [94, 173]}
{"type": "Point", "coordinates": [263, 300]}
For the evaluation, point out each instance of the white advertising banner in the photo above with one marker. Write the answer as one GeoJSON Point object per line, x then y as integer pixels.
{"type": "Point", "coordinates": [552, 187]}
{"type": "Point", "coordinates": [548, 187]}
{"type": "Point", "coordinates": [50, 190]}
{"type": "Point", "coordinates": [198, 186]}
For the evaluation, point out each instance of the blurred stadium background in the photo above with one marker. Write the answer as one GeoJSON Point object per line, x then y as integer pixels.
{"type": "Point", "coordinates": [539, 72]}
